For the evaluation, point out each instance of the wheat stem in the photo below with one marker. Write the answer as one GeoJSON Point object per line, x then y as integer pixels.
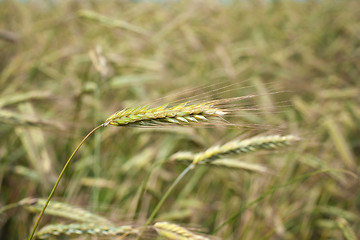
{"type": "Point", "coordinates": [58, 180]}
{"type": "Point", "coordinates": [165, 196]}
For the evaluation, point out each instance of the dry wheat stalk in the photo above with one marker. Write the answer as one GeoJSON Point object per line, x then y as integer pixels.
{"type": "Point", "coordinates": [91, 229]}
{"type": "Point", "coordinates": [175, 232]}
{"type": "Point", "coordinates": [64, 210]}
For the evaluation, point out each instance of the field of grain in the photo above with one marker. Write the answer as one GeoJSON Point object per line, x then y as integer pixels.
{"type": "Point", "coordinates": [240, 120]}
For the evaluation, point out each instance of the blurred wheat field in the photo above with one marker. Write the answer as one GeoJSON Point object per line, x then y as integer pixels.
{"type": "Point", "coordinates": [66, 67]}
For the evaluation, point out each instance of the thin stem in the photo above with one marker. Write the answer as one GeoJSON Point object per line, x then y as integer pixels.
{"type": "Point", "coordinates": [165, 196]}
{"type": "Point", "coordinates": [59, 178]}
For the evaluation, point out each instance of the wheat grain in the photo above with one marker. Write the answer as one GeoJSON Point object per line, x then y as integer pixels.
{"type": "Point", "coordinates": [64, 210]}
{"type": "Point", "coordinates": [91, 229]}
{"type": "Point", "coordinates": [173, 231]}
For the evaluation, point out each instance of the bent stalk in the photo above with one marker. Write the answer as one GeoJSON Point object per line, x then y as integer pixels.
{"type": "Point", "coordinates": [59, 178]}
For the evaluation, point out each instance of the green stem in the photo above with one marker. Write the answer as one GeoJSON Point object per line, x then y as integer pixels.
{"type": "Point", "coordinates": [165, 196]}
{"type": "Point", "coordinates": [59, 178]}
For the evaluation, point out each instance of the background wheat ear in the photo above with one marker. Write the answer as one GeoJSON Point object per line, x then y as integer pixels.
{"type": "Point", "coordinates": [172, 231]}
{"type": "Point", "coordinates": [235, 147]}
{"type": "Point", "coordinates": [60, 231]}
{"type": "Point", "coordinates": [270, 142]}
{"type": "Point", "coordinates": [64, 210]}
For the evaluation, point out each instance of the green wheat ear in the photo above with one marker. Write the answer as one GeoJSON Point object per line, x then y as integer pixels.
{"type": "Point", "coordinates": [182, 114]}
{"type": "Point", "coordinates": [235, 147]}
{"type": "Point", "coordinates": [254, 144]}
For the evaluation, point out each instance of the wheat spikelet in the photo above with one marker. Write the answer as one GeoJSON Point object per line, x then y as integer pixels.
{"type": "Point", "coordinates": [182, 114]}
{"type": "Point", "coordinates": [64, 210]}
{"type": "Point", "coordinates": [236, 147]}
{"type": "Point", "coordinates": [91, 229]}
{"type": "Point", "coordinates": [175, 232]}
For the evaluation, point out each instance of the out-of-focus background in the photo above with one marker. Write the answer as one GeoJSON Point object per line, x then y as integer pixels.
{"type": "Point", "coordinates": [65, 66]}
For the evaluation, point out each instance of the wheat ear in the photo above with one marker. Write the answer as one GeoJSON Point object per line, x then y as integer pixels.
{"type": "Point", "coordinates": [182, 114]}
{"type": "Point", "coordinates": [91, 229]}
{"type": "Point", "coordinates": [248, 145]}
{"type": "Point", "coordinates": [213, 154]}
{"type": "Point", "coordinates": [64, 210]}
{"type": "Point", "coordinates": [174, 232]}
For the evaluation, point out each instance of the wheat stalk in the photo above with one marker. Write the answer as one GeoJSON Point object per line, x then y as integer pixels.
{"type": "Point", "coordinates": [175, 232]}
{"type": "Point", "coordinates": [64, 210]}
{"type": "Point", "coordinates": [91, 229]}
{"type": "Point", "coordinates": [58, 180]}
{"type": "Point", "coordinates": [248, 145]}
